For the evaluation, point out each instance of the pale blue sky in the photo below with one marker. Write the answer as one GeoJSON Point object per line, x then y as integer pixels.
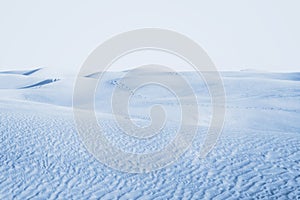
{"type": "Point", "coordinates": [262, 35]}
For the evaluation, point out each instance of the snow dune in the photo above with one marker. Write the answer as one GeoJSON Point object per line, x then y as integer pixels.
{"type": "Point", "coordinates": [257, 156]}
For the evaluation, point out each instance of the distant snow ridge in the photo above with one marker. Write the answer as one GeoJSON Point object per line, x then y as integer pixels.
{"type": "Point", "coordinates": [23, 79]}
{"type": "Point", "coordinates": [25, 73]}
{"type": "Point", "coordinates": [41, 83]}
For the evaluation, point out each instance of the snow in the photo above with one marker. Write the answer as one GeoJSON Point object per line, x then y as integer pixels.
{"type": "Point", "coordinates": [257, 155]}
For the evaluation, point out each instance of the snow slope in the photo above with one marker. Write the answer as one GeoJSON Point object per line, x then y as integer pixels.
{"type": "Point", "coordinates": [257, 156]}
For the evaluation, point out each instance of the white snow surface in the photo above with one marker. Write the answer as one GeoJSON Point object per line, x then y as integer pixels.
{"type": "Point", "coordinates": [256, 157]}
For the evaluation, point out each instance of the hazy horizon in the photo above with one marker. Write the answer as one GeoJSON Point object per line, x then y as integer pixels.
{"type": "Point", "coordinates": [236, 35]}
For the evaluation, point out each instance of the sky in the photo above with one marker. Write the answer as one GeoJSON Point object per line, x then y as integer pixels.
{"type": "Point", "coordinates": [59, 35]}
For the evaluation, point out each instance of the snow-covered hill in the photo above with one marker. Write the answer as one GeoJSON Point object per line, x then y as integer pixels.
{"type": "Point", "coordinates": [257, 155]}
